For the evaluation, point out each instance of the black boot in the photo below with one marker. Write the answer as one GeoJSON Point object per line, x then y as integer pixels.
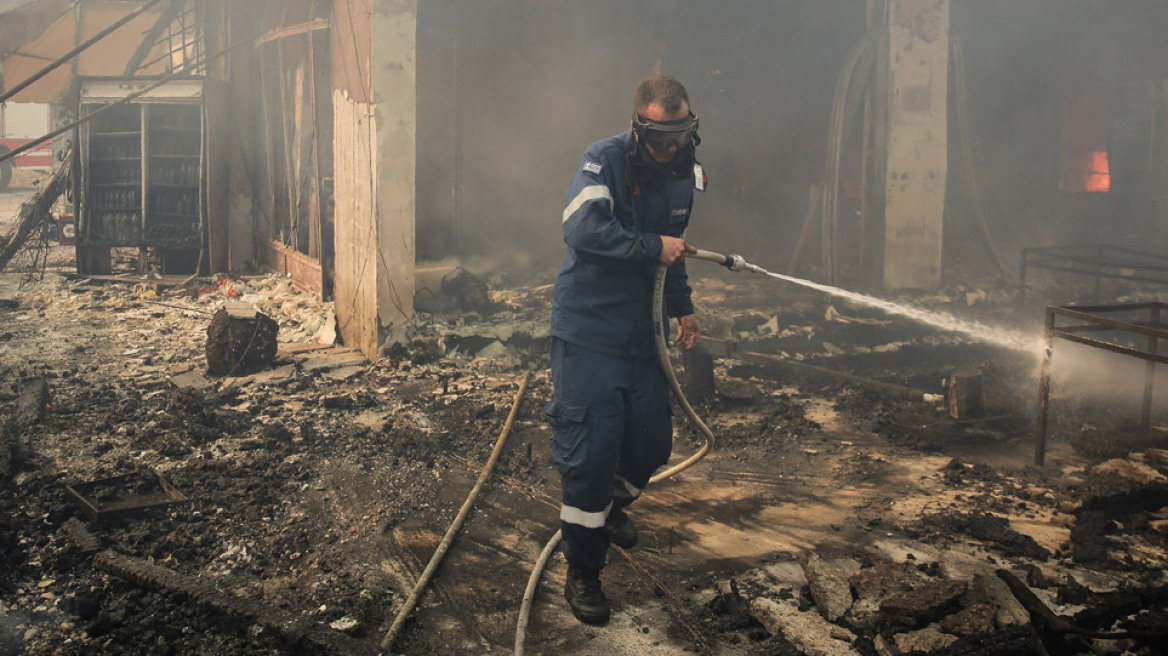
{"type": "Point", "coordinates": [621, 530]}
{"type": "Point", "coordinates": [585, 597]}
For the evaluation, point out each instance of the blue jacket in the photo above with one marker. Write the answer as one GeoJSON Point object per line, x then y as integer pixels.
{"type": "Point", "coordinates": [604, 289]}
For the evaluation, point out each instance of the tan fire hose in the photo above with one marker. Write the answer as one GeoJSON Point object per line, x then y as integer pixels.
{"type": "Point", "coordinates": [407, 608]}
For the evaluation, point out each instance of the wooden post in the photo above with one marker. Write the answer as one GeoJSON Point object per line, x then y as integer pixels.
{"type": "Point", "coordinates": [966, 398]}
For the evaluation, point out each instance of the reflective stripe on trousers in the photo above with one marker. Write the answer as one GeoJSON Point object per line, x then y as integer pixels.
{"type": "Point", "coordinates": [611, 429]}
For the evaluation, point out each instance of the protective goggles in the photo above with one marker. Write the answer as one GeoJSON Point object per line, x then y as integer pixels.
{"type": "Point", "coordinates": [660, 135]}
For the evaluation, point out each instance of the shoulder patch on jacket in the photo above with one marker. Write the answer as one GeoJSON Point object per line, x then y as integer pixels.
{"type": "Point", "coordinates": [679, 212]}
{"type": "Point", "coordinates": [592, 167]}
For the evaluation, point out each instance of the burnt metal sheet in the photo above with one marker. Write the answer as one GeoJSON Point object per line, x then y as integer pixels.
{"type": "Point", "coordinates": [119, 497]}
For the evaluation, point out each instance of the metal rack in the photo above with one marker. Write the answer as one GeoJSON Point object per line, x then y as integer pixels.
{"type": "Point", "coordinates": [1097, 261]}
{"type": "Point", "coordinates": [141, 182]}
{"type": "Point", "coordinates": [1136, 338]}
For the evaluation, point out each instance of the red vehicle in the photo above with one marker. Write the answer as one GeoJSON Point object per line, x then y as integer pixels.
{"type": "Point", "coordinates": [17, 130]}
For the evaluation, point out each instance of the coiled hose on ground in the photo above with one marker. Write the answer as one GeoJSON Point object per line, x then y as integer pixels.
{"type": "Point", "coordinates": [666, 365]}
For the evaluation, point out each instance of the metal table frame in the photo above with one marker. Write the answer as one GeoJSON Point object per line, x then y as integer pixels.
{"type": "Point", "coordinates": [1094, 319]}
{"type": "Point", "coordinates": [1097, 261]}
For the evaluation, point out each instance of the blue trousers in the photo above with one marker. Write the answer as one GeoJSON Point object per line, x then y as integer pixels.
{"type": "Point", "coordinates": [611, 429]}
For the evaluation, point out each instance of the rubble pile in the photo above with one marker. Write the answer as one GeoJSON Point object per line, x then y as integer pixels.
{"type": "Point", "coordinates": [966, 582]}
{"type": "Point", "coordinates": [315, 488]}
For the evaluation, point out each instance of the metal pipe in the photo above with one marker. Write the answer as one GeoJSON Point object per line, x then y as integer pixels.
{"type": "Point", "coordinates": [1044, 390]}
{"type": "Point", "coordinates": [881, 387]}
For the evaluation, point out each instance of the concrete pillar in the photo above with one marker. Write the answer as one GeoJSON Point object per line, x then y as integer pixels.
{"type": "Point", "coordinates": [916, 143]}
{"type": "Point", "coordinates": [375, 132]}
{"type": "Point", "coordinates": [395, 97]}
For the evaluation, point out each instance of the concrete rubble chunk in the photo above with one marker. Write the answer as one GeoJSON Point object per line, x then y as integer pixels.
{"type": "Point", "coordinates": [974, 620]}
{"type": "Point", "coordinates": [496, 350]}
{"type": "Point", "coordinates": [880, 581]}
{"type": "Point", "coordinates": [191, 380]}
{"type": "Point", "coordinates": [332, 359]}
{"type": "Point", "coordinates": [277, 375]}
{"type": "Point", "coordinates": [1136, 472]}
{"type": "Point", "coordinates": [873, 585]}
{"type": "Point", "coordinates": [1007, 610]}
{"type": "Point", "coordinates": [885, 646]}
{"type": "Point", "coordinates": [327, 333]}
{"type": "Point", "coordinates": [808, 631]}
{"type": "Point", "coordinates": [926, 640]}
{"type": "Point", "coordinates": [345, 373]}
{"type": "Point", "coordinates": [239, 310]}
{"type": "Point", "coordinates": [1157, 458]}
{"type": "Point", "coordinates": [828, 580]}
{"type": "Point", "coordinates": [923, 605]}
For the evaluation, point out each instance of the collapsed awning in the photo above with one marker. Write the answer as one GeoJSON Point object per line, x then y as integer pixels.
{"type": "Point", "coordinates": [106, 58]}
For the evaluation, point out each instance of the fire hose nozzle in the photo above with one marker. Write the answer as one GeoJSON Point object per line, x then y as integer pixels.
{"type": "Point", "coordinates": [735, 263]}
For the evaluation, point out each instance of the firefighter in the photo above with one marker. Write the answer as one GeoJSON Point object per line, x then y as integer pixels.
{"type": "Point", "coordinates": [627, 209]}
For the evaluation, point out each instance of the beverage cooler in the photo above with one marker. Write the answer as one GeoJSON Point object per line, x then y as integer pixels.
{"type": "Point", "coordinates": [141, 182]}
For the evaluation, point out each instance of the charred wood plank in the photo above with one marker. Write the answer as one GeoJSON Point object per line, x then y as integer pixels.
{"type": "Point", "coordinates": [240, 340]}
{"type": "Point", "coordinates": [966, 396]}
{"type": "Point", "coordinates": [300, 635]}
{"type": "Point", "coordinates": [1011, 641]}
{"type": "Point", "coordinates": [726, 349]}
{"type": "Point", "coordinates": [80, 536]}
{"type": "Point", "coordinates": [1056, 625]}
{"type": "Point", "coordinates": [26, 411]}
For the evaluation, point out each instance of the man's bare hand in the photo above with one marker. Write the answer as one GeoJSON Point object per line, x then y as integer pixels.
{"type": "Point", "coordinates": [672, 250]}
{"type": "Point", "coordinates": [688, 331]}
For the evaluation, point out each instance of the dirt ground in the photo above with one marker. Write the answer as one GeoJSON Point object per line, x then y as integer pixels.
{"type": "Point", "coordinates": [311, 496]}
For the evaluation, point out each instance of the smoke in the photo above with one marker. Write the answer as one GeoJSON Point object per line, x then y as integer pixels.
{"type": "Point", "coordinates": [512, 92]}
{"type": "Point", "coordinates": [1103, 379]}
{"type": "Point", "coordinates": [1025, 60]}
{"type": "Point", "coordinates": [529, 85]}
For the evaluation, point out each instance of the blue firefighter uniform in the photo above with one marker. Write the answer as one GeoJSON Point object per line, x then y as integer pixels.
{"type": "Point", "coordinates": [610, 416]}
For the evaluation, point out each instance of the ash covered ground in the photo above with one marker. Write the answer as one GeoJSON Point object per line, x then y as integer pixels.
{"type": "Point", "coordinates": [829, 519]}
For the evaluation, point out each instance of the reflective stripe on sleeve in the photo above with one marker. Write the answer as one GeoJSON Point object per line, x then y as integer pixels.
{"type": "Point", "coordinates": [594, 192]}
{"type": "Point", "coordinates": [586, 519]}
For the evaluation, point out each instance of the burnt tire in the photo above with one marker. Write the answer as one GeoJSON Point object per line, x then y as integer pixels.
{"type": "Point", "coordinates": [5, 170]}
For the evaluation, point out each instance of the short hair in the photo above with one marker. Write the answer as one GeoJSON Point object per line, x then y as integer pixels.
{"type": "Point", "coordinates": [663, 90]}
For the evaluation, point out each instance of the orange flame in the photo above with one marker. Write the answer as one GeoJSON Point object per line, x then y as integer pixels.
{"type": "Point", "coordinates": [1098, 177]}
